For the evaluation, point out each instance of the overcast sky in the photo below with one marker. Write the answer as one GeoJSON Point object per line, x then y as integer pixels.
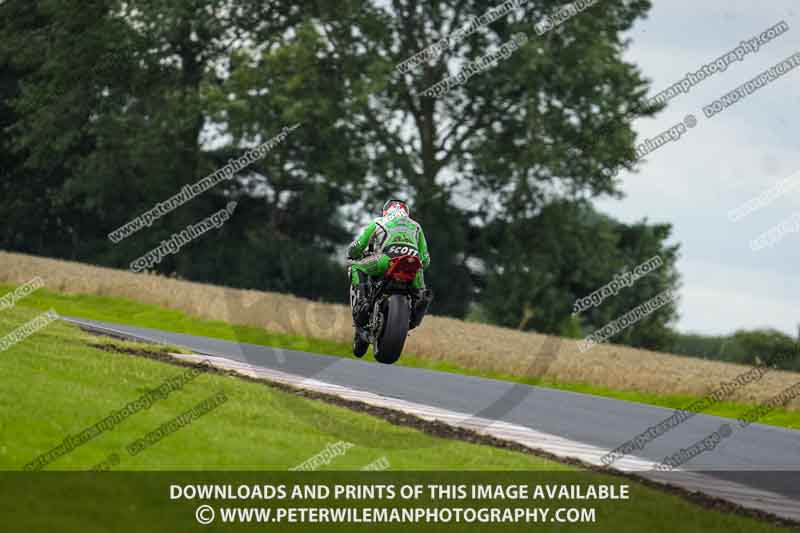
{"type": "Point", "coordinates": [722, 162]}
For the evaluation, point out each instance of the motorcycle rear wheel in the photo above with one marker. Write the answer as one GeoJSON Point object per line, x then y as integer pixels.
{"type": "Point", "coordinates": [393, 338]}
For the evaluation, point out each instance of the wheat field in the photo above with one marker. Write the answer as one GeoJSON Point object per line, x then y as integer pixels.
{"type": "Point", "coordinates": [470, 345]}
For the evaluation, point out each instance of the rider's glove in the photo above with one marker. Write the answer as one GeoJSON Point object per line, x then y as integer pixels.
{"type": "Point", "coordinates": [351, 252]}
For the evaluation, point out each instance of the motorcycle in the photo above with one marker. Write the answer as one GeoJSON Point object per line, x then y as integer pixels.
{"type": "Point", "coordinates": [391, 316]}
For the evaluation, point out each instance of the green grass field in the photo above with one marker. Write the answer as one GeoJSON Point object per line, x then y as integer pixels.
{"type": "Point", "coordinates": [57, 384]}
{"type": "Point", "coordinates": [137, 314]}
{"type": "Point", "coordinates": [61, 380]}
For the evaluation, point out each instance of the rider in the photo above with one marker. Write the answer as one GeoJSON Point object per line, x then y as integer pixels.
{"type": "Point", "coordinates": [394, 227]}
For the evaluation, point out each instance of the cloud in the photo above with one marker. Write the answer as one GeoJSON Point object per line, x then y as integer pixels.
{"type": "Point", "coordinates": [721, 163]}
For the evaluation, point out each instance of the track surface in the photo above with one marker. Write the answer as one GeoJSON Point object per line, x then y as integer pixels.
{"type": "Point", "coordinates": [759, 457]}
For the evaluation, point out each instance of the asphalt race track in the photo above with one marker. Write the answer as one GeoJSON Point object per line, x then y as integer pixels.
{"type": "Point", "coordinates": [756, 466]}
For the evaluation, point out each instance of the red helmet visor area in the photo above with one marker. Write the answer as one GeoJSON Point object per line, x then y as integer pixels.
{"type": "Point", "coordinates": [403, 268]}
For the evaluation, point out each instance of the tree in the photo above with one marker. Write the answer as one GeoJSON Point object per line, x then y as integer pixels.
{"type": "Point", "coordinates": [43, 131]}
{"type": "Point", "coordinates": [496, 147]}
{"type": "Point", "coordinates": [543, 264]}
{"type": "Point", "coordinates": [112, 120]}
{"type": "Point", "coordinates": [768, 346]}
{"type": "Point", "coordinates": [136, 99]}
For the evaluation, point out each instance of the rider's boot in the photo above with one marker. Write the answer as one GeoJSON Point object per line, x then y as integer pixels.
{"type": "Point", "coordinates": [360, 345]}
{"type": "Point", "coordinates": [361, 302]}
{"type": "Point", "coordinates": [421, 299]}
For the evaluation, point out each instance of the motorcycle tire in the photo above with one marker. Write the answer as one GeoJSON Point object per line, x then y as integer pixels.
{"type": "Point", "coordinates": [393, 338]}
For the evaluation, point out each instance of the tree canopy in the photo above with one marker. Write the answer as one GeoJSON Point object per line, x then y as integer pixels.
{"type": "Point", "coordinates": [110, 107]}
